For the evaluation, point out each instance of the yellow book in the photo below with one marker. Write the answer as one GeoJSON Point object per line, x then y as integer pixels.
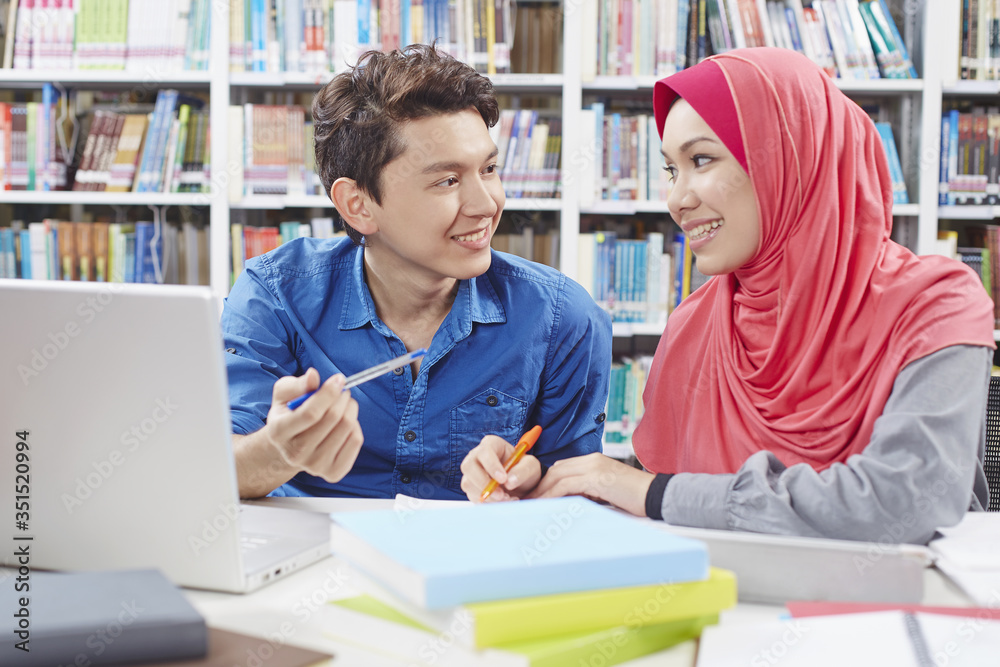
{"type": "Point", "coordinates": [522, 619]}
{"type": "Point", "coordinates": [605, 646]}
{"type": "Point", "coordinates": [126, 160]}
{"type": "Point", "coordinates": [239, 255]}
{"type": "Point", "coordinates": [529, 620]}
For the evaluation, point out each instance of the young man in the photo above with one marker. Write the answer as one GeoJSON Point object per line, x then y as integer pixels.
{"type": "Point", "coordinates": [404, 150]}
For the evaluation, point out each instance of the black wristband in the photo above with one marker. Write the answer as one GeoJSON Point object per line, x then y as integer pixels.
{"type": "Point", "coordinates": [654, 497]}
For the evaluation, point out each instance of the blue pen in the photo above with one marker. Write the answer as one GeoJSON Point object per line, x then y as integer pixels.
{"type": "Point", "coordinates": [368, 374]}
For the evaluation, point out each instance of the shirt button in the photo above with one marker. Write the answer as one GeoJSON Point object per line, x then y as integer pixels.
{"type": "Point", "coordinates": [410, 436]}
{"type": "Point", "coordinates": [398, 371]}
{"type": "Point", "coordinates": [405, 479]}
{"type": "Point", "coordinates": [492, 401]}
{"type": "Point", "coordinates": [600, 418]}
{"type": "Point", "coordinates": [231, 350]}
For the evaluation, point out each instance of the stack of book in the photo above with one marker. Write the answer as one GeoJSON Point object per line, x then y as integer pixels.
{"type": "Point", "coordinates": [549, 582]}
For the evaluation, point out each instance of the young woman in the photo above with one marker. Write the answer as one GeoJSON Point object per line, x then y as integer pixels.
{"type": "Point", "coordinates": [825, 381]}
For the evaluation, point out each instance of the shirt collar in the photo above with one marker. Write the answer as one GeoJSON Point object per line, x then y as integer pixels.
{"type": "Point", "coordinates": [476, 301]}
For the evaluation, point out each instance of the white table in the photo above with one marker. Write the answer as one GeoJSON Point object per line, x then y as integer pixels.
{"type": "Point", "coordinates": [295, 610]}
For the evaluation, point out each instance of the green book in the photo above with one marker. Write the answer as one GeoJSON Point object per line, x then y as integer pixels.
{"type": "Point", "coordinates": [529, 620]}
{"type": "Point", "coordinates": [606, 646]}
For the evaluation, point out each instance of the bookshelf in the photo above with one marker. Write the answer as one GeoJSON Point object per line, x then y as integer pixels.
{"type": "Point", "coordinates": [916, 114]}
{"type": "Point", "coordinates": [947, 89]}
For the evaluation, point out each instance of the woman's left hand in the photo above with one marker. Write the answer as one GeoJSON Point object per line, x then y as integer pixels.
{"type": "Point", "coordinates": [598, 477]}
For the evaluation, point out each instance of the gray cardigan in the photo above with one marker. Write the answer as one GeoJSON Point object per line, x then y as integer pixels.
{"type": "Point", "coordinates": [922, 469]}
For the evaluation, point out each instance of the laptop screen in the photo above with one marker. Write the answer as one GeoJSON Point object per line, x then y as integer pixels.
{"type": "Point", "coordinates": [116, 421]}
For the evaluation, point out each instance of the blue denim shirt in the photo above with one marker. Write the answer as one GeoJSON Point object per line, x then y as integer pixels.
{"type": "Point", "coordinates": [522, 345]}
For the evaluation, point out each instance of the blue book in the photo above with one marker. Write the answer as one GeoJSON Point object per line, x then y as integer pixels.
{"type": "Point", "coordinates": [441, 557]}
{"type": "Point", "coordinates": [25, 253]}
{"type": "Point", "coordinates": [943, 184]}
{"type": "Point", "coordinates": [129, 263]}
{"type": "Point", "coordinates": [147, 245]}
{"type": "Point", "coordinates": [900, 44]}
{"type": "Point", "coordinates": [683, 12]}
{"type": "Point", "coordinates": [7, 256]}
{"type": "Point", "coordinates": [953, 115]}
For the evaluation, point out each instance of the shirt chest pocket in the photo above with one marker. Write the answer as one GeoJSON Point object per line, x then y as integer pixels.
{"type": "Point", "coordinates": [490, 412]}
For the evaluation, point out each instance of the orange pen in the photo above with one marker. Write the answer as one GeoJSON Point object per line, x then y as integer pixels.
{"type": "Point", "coordinates": [526, 442]}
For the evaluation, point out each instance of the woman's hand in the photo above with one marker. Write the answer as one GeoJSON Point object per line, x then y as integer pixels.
{"type": "Point", "coordinates": [485, 461]}
{"type": "Point", "coordinates": [597, 477]}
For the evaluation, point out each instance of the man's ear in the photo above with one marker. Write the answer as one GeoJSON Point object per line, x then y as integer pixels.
{"type": "Point", "coordinates": [353, 205]}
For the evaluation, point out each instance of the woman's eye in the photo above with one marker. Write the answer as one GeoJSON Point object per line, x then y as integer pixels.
{"type": "Point", "coordinates": [701, 160]}
{"type": "Point", "coordinates": [492, 169]}
{"type": "Point", "coordinates": [671, 172]}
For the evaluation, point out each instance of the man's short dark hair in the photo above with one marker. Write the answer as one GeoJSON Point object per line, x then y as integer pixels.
{"type": "Point", "coordinates": [357, 116]}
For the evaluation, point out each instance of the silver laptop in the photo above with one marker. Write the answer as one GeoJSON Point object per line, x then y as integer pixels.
{"type": "Point", "coordinates": [116, 440]}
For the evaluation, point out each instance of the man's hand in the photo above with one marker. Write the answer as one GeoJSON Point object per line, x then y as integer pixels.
{"type": "Point", "coordinates": [321, 437]}
{"type": "Point", "coordinates": [485, 461]}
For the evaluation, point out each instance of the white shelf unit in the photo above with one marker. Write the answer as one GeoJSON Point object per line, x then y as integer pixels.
{"type": "Point", "coordinates": [919, 141]}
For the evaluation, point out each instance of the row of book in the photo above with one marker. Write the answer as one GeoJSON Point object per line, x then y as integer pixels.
{"type": "Point", "coordinates": [32, 147]}
{"type": "Point", "coordinates": [248, 241]}
{"type": "Point", "coordinates": [273, 145]}
{"type": "Point", "coordinates": [982, 255]}
{"type": "Point", "coordinates": [536, 246]}
{"type": "Point", "coordinates": [271, 151]}
{"type": "Point", "coordinates": [164, 150]}
{"type": "Point", "coordinates": [637, 280]}
{"type": "Point", "coordinates": [329, 35]}
{"type": "Point", "coordinates": [979, 58]}
{"type": "Point", "coordinates": [851, 39]}
{"type": "Point", "coordinates": [969, 171]}
{"type": "Point", "coordinates": [625, 407]}
{"type": "Point", "coordinates": [140, 252]}
{"type": "Point", "coordinates": [529, 153]}
{"type": "Point", "coordinates": [627, 164]}
{"type": "Point", "coordinates": [141, 36]}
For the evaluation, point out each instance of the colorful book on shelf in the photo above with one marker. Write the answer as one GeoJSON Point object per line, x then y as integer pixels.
{"type": "Point", "coordinates": [899, 194]}
{"type": "Point", "coordinates": [121, 176]}
{"type": "Point", "coordinates": [474, 553]}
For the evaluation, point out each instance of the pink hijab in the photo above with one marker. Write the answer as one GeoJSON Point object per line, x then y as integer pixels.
{"type": "Point", "coordinates": [797, 351]}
